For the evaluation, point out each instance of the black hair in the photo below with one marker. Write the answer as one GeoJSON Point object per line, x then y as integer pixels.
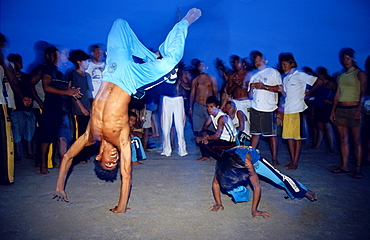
{"type": "Point", "coordinates": [77, 55]}
{"type": "Point", "coordinates": [3, 39]}
{"type": "Point", "coordinates": [254, 54]}
{"type": "Point", "coordinates": [95, 46]}
{"type": "Point", "coordinates": [349, 52]}
{"type": "Point", "coordinates": [287, 57]}
{"type": "Point", "coordinates": [231, 171]}
{"type": "Point", "coordinates": [132, 114]}
{"type": "Point", "coordinates": [232, 103]}
{"type": "Point", "coordinates": [103, 174]}
{"type": "Point", "coordinates": [14, 57]}
{"type": "Point", "coordinates": [50, 54]}
{"type": "Point", "coordinates": [309, 71]}
{"type": "Point", "coordinates": [213, 99]}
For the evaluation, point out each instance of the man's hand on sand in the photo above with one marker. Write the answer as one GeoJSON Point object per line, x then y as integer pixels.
{"type": "Point", "coordinates": [215, 208]}
{"type": "Point", "coordinates": [260, 213]}
{"type": "Point", "coordinates": [116, 211]}
{"type": "Point", "coordinates": [60, 195]}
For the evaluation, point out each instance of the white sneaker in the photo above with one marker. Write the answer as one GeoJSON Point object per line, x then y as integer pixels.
{"type": "Point", "coordinates": [163, 154]}
{"type": "Point", "coordinates": [183, 154]}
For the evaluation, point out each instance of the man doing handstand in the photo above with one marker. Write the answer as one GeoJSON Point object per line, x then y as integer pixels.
{"type": "Point", "coordinates": [109, 115]}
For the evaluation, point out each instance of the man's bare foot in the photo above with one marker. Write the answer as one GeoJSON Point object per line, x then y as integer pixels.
{"type": "Point", "coordinates": [137, 163]}
{"type": "Point", "coordinates": [44, 171]}
{"type": "Point", "coordinates": [275, 163]}
{"type": "Point", "coordinates": [292, 166]}
{"type": "Point", "coordinates": [193, 15]}
{"type": "Point", "coordinates": [311, 196]}
{"type": "Point", "coordinates": [288, 165]}
{"type": "Point", "coordinates": [204, 159]}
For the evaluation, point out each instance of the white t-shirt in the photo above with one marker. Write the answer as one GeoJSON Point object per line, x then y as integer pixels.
{"type": "Point", "coordinates": [264, 100]}
{"type": "Point", "coordinates": [229, 131]}
{"type": "Point", "coordinates": [294, 84]}
{"type": "Point", "coordinates": [96, 72]}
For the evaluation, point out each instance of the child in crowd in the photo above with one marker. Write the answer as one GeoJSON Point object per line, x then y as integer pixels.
{"type": "Point", "coordinates": [137, 149]}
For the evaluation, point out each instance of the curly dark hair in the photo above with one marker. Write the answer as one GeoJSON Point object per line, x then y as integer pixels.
{"type": "Point", "coordinates": [103, 174]}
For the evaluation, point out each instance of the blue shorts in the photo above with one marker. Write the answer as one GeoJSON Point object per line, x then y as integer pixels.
{"type": "Point", "coordinates": [55, 124]}
{"type": "Point", "coordinates": [23, 125]}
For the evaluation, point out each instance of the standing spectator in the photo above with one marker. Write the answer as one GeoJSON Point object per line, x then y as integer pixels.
{"type": "Point", "coordinates": [322, 105]}
{"type": "Point", "coordinates": [173, 111]}
{"type": "Point", "coordinates": [6, 146]}
{"type": "Point", "coordinates": [22, 117]}
{"type": "Point", "coordinates": [56, 108]}
{"type": "Point", "coordinates": [294, 84]}
{"type": "Point", "coordinates": [236, 88]}
{"type": "Point", "coordinates": [347, 107]}
{"type": "Point", "coordinates": [366, 122]}
{"type": "Point", "coordinates": [264, 87]}
{"type": "Point", "coordinates": [202, 87]}
{"type": "Point", "coordinates": [81, 108]}
{"type": "Point", "coordinates": [96, 66]}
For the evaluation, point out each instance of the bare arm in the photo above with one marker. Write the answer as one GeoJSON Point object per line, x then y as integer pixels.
{"type": "Point", "coordinates": [256, 188]}
{"type": "Point", "coordinates": [46, 81]}
{"type": "Point", "coordinates": [192, 94]}
{"type": "Point", "coordinates": [84, 111]}
{"type": "Point", "coordinates": [34, 80]}
{"type": "Point", "coordinates": [362, 78]}
{"type": "Point", "coordinates": [335, 103]}
{"type": "Point", "coordinates": [11, 77]}
{"type": "Point", "coordinates": [242, 118]}
{"type": "Point", "coordinates": [126, 172]}
{"type": "Point", "coordinates": [214, 84]}
{"type": "Point", "coordinates": [216, 195]}
{"type": "Point", "coordinates": [66, 163]}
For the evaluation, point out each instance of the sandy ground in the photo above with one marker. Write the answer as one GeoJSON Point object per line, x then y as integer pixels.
{"type": "Point", "coordinates": [170, 199]}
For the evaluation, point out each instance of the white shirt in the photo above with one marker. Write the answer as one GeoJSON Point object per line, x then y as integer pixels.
{"type": "Point", "coordinates": [294, 84]}
{"type": "Point", "coordinates": [229, 131]}
{"type": "Point", "coordinates": [96, 72]}
{"type": "Point", "coordinates": [264, 100]}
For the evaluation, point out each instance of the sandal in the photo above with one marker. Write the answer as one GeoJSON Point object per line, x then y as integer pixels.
{"type": "Point", "coordinates": [339, 170]}
{"type": "Point", "coordinates": [357, 175]}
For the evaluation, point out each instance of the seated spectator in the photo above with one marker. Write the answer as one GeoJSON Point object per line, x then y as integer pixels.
{"type": "Point", "coordinates": [214, 144]}
{"type": "Point", "coordinates": [239, 120]}
{"type": "Point", "coordinates": [137, 149]}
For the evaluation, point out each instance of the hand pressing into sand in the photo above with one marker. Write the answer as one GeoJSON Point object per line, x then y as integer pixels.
{"type": "Point", "coordinates": [215, 208]}
{"type": "Point", "coordinates": [260, 213]}
{"type": "Point", "coordinates": [60, 195]}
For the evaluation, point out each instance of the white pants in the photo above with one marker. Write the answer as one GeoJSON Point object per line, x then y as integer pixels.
{"type": "Point", "coordinates": [173, 108]}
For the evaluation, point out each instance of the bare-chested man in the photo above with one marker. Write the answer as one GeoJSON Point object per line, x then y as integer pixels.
{"type": "Point", "coordinates": [109, 115]}
{"type": "Point", "coordinates": [237, 87]}
{"type": "Point", "coordinates": [202, 87]}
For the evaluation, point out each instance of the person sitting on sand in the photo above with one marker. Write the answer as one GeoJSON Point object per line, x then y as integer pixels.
{"type": "Point", "coordinates": [137, 149]}
{"type": "Point", "coordinates": [214, 144]}
{"type": "Point", "coordinates": [109, 114]}
{"type": "Point", "coordinates": [239, 167]}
